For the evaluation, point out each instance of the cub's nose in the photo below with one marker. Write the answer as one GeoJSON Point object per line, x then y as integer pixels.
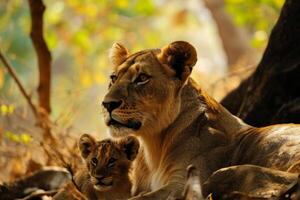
{"type": "Point", "coordinates": [111, 105]}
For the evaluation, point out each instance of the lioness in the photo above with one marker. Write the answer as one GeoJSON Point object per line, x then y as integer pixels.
{"type": "Point", "coordinates": [106, 175]}
{"type": "Point", "coordinates": [152, 97]}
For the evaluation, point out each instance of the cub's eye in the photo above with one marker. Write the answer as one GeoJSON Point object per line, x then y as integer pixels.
{"type": "Point", "coordinates": [111, 162]}
{"type": "Point", "coordinates": [113, 78]}
{"type": "Point", "coordinates": [142, 79]}
{"type": "Point", "coordinates": [94, 161]}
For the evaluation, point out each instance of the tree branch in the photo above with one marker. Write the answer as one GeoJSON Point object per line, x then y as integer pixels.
{"type": "Point", "coordinates": [41, 117]}
{"type": "Point", "coordinates": [37, 9]}
{"type": "Point", "coordinates": [12, 72]}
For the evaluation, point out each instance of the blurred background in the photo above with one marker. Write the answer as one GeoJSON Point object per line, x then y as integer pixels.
{"type": "Point", "coordinates": [230, 36]}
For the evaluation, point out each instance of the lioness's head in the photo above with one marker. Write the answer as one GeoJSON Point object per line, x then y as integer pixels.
{"type": "Point", "coordinates": [107, 160]}
{"type": "Point", "coordinates": [144, 92]}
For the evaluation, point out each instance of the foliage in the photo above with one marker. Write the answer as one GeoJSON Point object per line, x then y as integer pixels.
{"type": "Point", "coordinates": [6, 109]}
{"type": "Point", "coordinates": [258, 16]}
{"type": "Point", "coordinates": [23, 138]}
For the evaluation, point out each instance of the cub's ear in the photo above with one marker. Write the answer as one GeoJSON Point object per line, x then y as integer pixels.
{"type": "Point", "coordinates": [180, 56]}
{"type": "Point", "coordinates": [130, 146]}
{"type": "Point", "coordinates": [86, 145]}
{"type": "Point", "coordinates": [118, 54]}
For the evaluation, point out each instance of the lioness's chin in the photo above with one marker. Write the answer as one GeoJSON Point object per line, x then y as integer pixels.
{"type": "Point", "coordinates": [120, 131]}
{"type": "Point", "coordinates": [119, 128]}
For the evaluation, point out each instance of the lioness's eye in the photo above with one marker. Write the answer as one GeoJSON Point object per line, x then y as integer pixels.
{"type": "Point", "coordinates": [113, 78]}
{"type": "Point", "coordinates": [111, 162]}
{"type": "Point", "coordinates": [142, 79]}
{"type": "Point", "coordinates": [94, 161]}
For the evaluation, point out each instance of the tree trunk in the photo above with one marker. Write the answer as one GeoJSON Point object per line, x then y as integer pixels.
{"type": "Point", "coordinates": [37, 9]}
{"type": "Point", "coordinates": [272, 93]}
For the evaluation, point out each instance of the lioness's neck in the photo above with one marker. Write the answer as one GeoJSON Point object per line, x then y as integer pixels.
{"type": "Point", "coordinates": [157, 144]}
{"type": "Point", "coordinates": [194, 103]}
{"type": "Point", "coordinates": [218, 116]}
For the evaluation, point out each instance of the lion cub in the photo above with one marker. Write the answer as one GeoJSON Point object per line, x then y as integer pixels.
{"type": "Point", "coordinates": [106, 175]}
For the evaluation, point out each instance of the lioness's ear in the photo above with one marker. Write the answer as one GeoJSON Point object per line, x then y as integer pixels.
{"type": "Point", "coordinates": [180, 56]}
{"type": "Point", "coordinates": [86, 145]}
{"type": "Point", "coordinates": [130, 146]}
{"type": "Point", "coordinates": [118, 54]}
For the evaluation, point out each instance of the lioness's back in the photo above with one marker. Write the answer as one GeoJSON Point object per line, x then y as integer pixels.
{"type": "Point", "coordinates": [276, 147]}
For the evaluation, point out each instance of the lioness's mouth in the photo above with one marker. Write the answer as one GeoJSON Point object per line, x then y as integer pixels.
{"type": "Point", "coordinates": [132, 124]}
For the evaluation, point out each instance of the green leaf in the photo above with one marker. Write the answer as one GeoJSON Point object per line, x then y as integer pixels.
{"type": "Point", "coordinates": [25, 138]}
{"type": "Point", "coordinates": [11, 136]}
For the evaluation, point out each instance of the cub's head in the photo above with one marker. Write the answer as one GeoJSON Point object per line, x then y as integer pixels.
{"type": "Point", "coordinates": [107, 160]}
{"type": "Point", "coordinates": [144, 92]}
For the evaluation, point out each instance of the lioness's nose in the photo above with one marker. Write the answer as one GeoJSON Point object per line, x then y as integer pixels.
{"type": "Point", "coordinates": [111, 105]}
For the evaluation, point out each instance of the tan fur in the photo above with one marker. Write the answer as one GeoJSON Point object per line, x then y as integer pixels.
{"type": "Point", "coordinates": [116, 176]}
{"type": "Point", "coordinates": [69, 192]}
{"type": "Point", "coordinates": [257, 182]}
{"type": "Point", "coordinates": [178, 124]}
{"type": "Point", "coordinates": [118, 54]}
